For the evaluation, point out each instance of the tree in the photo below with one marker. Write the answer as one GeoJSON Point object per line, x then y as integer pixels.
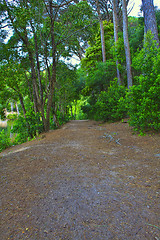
{"type": "Point", "coordinates": [126, 44]}
{"type": "Point", "coordinates": [135, 33]}
{"type": "Point", "coordinates": [144, 97]}
{"type": "Point", "coordinates": [94, 52]}
{"type": "Point", "coordinates": [103, 13]}
{"type": "Point", "coordinates": [66, 87]}
{"type": "Point", "coordinates": [102, 32]}
{"type": "Point", "coordinates": [115, 22]}
{"type": "Point", "coordinates": [13, 78]}
{"type": "Point", "coordinates": [43, 34]}
{"type": "Point", "coordinates": [150, 19]}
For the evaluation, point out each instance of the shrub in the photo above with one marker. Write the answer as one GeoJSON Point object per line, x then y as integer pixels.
{"type": "Point", "coordinates": [144, 105]}
{"type": "Point", "coordinates": [4, 140]}
{"type": "Point", "coordinates": [111, 105]}
{"type": "Point", "coordinates": [144, 98]}
{"type": "Point", "coordinates": [27, 128]}
{"type": "Point", "coordinates": [62, 118]}
{"type": "Point", "coordinates": [87, 109]}
{"type": "Point", "coordinates": [12, 116]}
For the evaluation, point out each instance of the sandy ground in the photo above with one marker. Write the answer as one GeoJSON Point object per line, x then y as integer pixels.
{"type": "Point", "coordinates": [84, 181]}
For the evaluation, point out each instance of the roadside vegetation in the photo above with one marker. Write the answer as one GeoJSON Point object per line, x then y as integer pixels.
{"type": "Point", "coordinates": [47, 90]}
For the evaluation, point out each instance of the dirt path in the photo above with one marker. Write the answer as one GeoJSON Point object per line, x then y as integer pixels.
{"type": "Point", "coordinates": [83, 181]}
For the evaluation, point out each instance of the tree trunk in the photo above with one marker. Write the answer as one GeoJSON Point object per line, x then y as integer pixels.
{"type": "Point", "coordinates": [71, 111]}
{"type": "Point", "coordinates": [150, 19]}
{"type": "Point", "coordinates": [53, 77]}
{"type": "Point", "coordinates": [38, 64]}
{"type": "Point", "coordinates": [12, 107]}
{"type": "Point", "coordinates": [17, 108]}
{"type": "Point", "coordinates": [22, 105]}
{"type": "Point", "coordinates": [115, 21]}
{"type": "Point", "coordinates": [102, 33]}
{"type": "Point", "coordinates": [126, 44]}
{"type": "Point", "coordinates": [103, 41]}
{"type": "Point", "coordinates": [75, 110]}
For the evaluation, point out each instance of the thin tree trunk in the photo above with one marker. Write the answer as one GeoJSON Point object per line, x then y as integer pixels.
{"type": "Point", "coordinates": [38, 64]}
{"type": "Point", "coordinates": [75, 110]}
{"type": "Point", "coordinates": [102, 32]}
{"type": "Point", "coordinates": [17, 108]}
{"type": "Point", "coordinates": [53, 77]}
{"type": "Point", "coordinates": [150, 19]}
{"type": "Point", "coordinates": [33, 72]}
{"type": "Point", "coordinates": [103, 41]}
{"type": "Point", "coordinates": [71, 111]}
{"type": "Point", "coordinates": [115, 21]}
{"type": "Point", "coordinates": [29, 86]}
{"type": "Point", "coordinates": [22, 105]}
{"type": "Point", "coordinates": [24, 38]}
{"type": "Point", "coordinates": [126, 44]}
{"type": "Point", "coordinates": [11, 107]}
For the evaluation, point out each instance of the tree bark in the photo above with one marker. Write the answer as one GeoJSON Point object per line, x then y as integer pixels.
{"type": "Point", "coordinates": [103, 41]}
{"type": "Point", "coordinates": [22, 105]}
{"type": "Point", "coordinates": [17, 108]}
{"type": "Point", "coordinates": [126, 44]}
{"type": "Point", "coordinates": [38, 63]}
{"type": "Point", "coordinates": [150, 19]}
{"type": "Point", "coordinates": [102, 32]}
{"type": "Point", "coordinates": [115, 22]}
{"type": "Point", "coordinates": [53, 77]}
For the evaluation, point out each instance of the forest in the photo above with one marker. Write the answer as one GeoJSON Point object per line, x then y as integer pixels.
{"type": "Point", "coordinates": [62, 60]}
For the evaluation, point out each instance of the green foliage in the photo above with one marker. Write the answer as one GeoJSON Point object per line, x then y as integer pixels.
{"type": "Point", "coordinates": [94, 52]}
{"type": "Point", "coordinates": [110, 105]}
{"type": "Point", "coordinates": [144, 98]}
{"type": "Point", "coordinates": [88, 110]}
{"type": "Point", "coordinates": [27, 128]}
{"type": "Point", "coordinates": [77, 19]}
{"type": "Point", "coordinates": [118, 53]}
{"type": "Point", "coordinates": [136, 33]}
{"type": "Point", "coordinates": [13, 83]}
{"type": "Point", "coordinates": [4, 140]}
{"type": "Point", "coordinates": [62, 118]}
{"type": "Point", "coordinates": [143, 60]}
{"type": "Point", "coordinates": [157, 11]}
{"type": "Point", "coordinates": [144, 105]}
{"type": "Point", "coordinates": [68, 89]}
{"type": "Point", "coordinates": [12, 116]}
{"type": "Point", "coordinates": [26, 80]}
{"type": "Point", "coordinates": [99, 79]}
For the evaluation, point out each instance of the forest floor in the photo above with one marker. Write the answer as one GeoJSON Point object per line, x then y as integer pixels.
{"type": "Point", "coordinates": [85, 181]}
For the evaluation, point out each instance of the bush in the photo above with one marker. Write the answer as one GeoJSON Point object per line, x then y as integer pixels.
{"type": "Point", "coordinates": [88, 111]}
{"type": "Point", "coordinates": [144, 105]}
{"type": "Point", "coordinates": [111, 105]}
{"type": "Point", "coordinates": [4, 140]}
{"type": "Point", "coordinates": [62, 118]}
{"type": "Point", "coordinates": [27, 128]}
{"type": "Point", "coordinates": [144, 98]}
{"type": "Point", "coordinates": [12, 116]}
{"type": "Point", "coordinates": [98, 78]}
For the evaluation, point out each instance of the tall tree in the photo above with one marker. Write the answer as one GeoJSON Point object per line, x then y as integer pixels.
{"type": "Point", "coordinates": [94, 52]}
{"type": "Point", "coordinates": [103, 12]}
{"type": "Point", "coordinates": [150, 18]}
{"type": "Point", "coordinates": [44, 33]}
{"type": "Point", "coordinates": [126, 44]}
{"type": "Point", "coordinates": [115, 22]}
{"type": "Point", "coordinates": [102, 31]}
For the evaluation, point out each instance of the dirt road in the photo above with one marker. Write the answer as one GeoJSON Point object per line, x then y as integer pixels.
{"type": "Point", "coordinates": [83, 181]}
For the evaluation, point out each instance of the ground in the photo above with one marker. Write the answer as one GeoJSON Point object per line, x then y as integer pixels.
{"type": "Point", "coordinates": [84, 181]}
